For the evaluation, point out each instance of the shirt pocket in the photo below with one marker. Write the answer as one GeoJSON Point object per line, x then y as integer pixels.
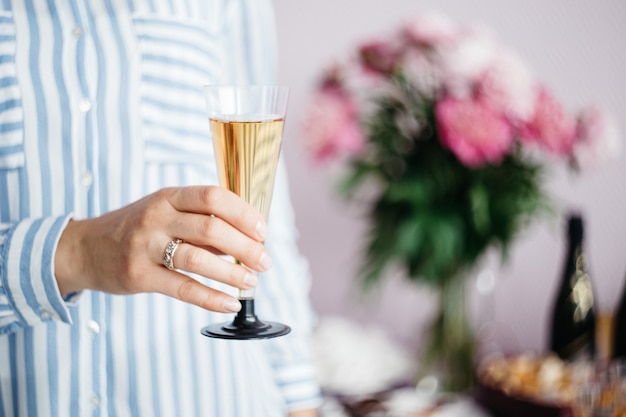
{"type": "Point", "coordinates": [11, 111]}
{"type": "Point", "coordinates": [177, 58]}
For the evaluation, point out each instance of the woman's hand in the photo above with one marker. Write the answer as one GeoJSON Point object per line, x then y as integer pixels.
{"type": "Point", "coordinates": [122, 251]}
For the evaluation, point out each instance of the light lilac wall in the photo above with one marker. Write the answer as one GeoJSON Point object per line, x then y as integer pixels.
{"type": "Point", "coordinates": [577, 47]}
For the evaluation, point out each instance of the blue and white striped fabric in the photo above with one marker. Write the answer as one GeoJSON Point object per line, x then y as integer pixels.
{"type": "Point", "coordinates": [11, 116]}
{"type": "Point", "coordinates": [100, 104]}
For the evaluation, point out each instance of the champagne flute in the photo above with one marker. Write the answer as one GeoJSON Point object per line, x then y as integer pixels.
{"type": "Point", "coordinates": [247, 128]}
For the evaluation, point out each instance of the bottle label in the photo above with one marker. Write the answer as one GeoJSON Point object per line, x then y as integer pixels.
{"type": "Point", "coordinates": [581, 296]}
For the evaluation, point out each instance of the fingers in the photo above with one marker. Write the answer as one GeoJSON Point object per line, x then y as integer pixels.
{"type": "Point", "coordinates": [213, 232]}
{"type": "Point", "coordinates": [191, 258]}
{"type": "Point", "coordinates": [213, 219]}
{"type": "Point", "coordinates": [221, 203]}
{"type": "Point", "coordinates": [188, 290]}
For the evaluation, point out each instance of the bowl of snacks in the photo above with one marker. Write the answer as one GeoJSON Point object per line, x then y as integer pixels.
{"type": "Point", "coordinates": [546, 386]}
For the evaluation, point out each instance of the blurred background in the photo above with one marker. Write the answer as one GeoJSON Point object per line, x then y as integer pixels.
{"type": "Point", "coordinates": [575, 47]}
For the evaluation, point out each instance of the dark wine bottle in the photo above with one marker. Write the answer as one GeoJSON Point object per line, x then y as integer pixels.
{"type": "Point", "coordinates": [619, 329]}
{"type": "Point", "coordinates": [573, 327]}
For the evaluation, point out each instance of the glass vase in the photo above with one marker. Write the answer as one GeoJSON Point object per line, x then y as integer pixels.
{"type": "Point", "coordinates": [447, 361]}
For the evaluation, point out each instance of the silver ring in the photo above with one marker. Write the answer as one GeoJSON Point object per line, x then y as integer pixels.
{"type": "Point", "coordinates": [168, 255]}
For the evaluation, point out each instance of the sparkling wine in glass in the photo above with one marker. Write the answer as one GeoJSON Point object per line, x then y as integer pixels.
{"type": "Point", "coordinates": [247, 129]}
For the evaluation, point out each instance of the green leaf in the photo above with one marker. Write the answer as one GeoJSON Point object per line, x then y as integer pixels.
{"type": "Point", "coordinates": [479, 207]}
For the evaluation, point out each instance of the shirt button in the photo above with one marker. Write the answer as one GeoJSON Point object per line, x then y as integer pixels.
{"type": "Point", "coordinates": [94, 401]}
{"type": "Point", "coordinates": [84, 105]}
{"type": "Point", "coordinates": [86, 179]}
{"type": "Point", "coordinates": [45, 314]}
{"type": "Point", "coordinates": [77, 32]}
{"type": "Point", "coordinates": [93, 327]}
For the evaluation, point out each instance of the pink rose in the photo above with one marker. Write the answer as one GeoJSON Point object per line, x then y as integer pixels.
{"type": "Point", "coordinates": [430, 29]}
{"type": "Point", "coordinates": [379, 57]}
{"type": "Point", "coordinates": [464, 61]}
{"type": "Point", "coordinates": [332, 126]}
{"type": "Point", "coordinates": [473, 131]}
{"type": "Point", "coordinates": [597, 139]}
{"type": "Point", "coordinates": [507, 85]}
{"type": "Point", "coordinates": [550, 126]}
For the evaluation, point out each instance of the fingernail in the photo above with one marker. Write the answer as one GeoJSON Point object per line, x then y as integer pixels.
{"type": "Point", "coordinates": [262, 230]}
{"type": "Point", "coordinates": [250, 280]}
{"type": "Point", "coordinates": [265, 261]}
{"type": "Point", "coordinates": [232, 305]}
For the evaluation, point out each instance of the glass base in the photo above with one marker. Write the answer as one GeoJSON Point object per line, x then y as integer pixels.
{"type": "Point", "coordinates": [246, 326]}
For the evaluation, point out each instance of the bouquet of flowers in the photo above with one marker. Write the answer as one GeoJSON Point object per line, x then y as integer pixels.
{"type": "Point", "coordinates": [454, 134]}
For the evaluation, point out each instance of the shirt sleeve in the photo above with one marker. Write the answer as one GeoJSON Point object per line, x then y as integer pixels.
{"type": "Point", "coordinates": [29, 292]}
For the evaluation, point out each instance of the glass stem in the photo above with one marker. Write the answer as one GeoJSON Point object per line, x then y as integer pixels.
{"type": "Point", "coordinates": [246, 294]}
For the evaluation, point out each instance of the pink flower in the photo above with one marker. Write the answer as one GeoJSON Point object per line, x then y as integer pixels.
{"type": "Point", "coordinates": [507, 85]}
{"type": "Point", "coordinates": [332, 126]}
{"type": "Point", "coordinates": [379, 57]}
{"type": "Point", "coordinates": [473, 131]}
{"type": "Point", "coordinates": [430, 29]}
{"type": "Point", "coordinates": [464, 61]}
{"type": "Point", "coordinates": [597, 139]}
{"type": "Point", "coordinates": [550, 126]}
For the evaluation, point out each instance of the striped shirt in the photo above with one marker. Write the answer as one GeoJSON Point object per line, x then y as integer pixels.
{"type": "Point", "coordinates": [100, 104]}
